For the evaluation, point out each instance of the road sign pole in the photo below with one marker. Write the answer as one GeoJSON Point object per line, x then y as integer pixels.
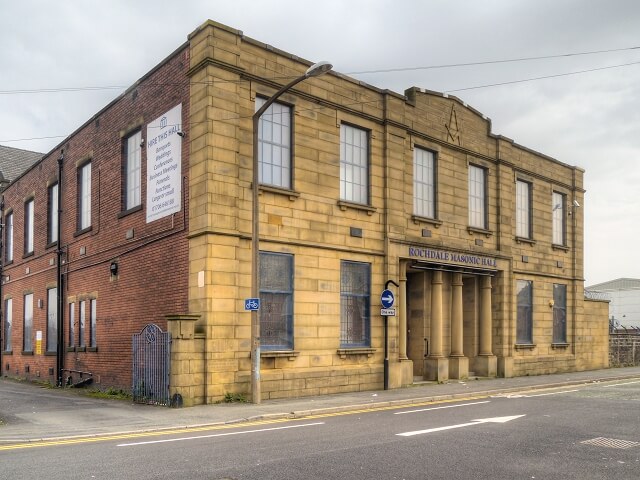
{"type": "Point", "coordinates": [386, 352]}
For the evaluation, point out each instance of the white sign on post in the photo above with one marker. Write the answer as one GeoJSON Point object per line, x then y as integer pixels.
{"type": "Point", "coordinates": [164, 164]}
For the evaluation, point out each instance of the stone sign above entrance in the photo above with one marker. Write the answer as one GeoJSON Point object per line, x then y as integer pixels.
{"type": "Point", "coordinates": [453, 258]}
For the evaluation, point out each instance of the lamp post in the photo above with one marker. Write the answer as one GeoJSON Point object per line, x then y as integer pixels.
{"type": "Point", "coordinates": [315, 70]}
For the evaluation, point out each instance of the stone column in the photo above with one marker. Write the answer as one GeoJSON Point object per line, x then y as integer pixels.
{"type": "Point", "coordinates": [456, 316]}
{"type": "Point", "coordinates": [486, 363]}
{"type": "Point", "coordinates": [458, 363]}
{"type": "Point", "coordinates": [437, 366]}
{"type": "Point", "coordinates": [436, 315]}
{"type": "Point", "coordinates": [485, 316]}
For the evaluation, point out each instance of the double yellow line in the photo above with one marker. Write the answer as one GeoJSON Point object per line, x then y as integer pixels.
{"type": "Point", "coordinates": [225, 426]}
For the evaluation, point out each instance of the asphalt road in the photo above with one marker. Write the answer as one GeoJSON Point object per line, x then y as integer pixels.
{"type": "Point", "coordinates": [583, 432]}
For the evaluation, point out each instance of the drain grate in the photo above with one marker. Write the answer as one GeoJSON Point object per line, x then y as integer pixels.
{"type": "Point", "coordinates": [611, 443]}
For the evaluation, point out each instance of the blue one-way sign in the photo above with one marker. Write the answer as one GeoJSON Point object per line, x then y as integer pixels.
{"type": "Point", "coordinates": [387, 298]}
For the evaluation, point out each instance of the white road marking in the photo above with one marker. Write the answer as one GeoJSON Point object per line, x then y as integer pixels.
{"type": "Point", "coordinates": [440, 408]}
{"type": "Point", "coordinates": [219, 434]}
{"type": "Point", "coordinates": [550, 393]}
{"type": "Point", "coordinates": [479, 421]}
{"type": "Point", "coordinates": [620, 384]}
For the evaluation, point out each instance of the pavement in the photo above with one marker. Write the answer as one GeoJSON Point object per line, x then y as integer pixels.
{"type": "Point", "coordinates": [30, 412]}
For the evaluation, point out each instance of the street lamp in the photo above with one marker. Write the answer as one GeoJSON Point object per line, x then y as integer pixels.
{"type": "Point", "coordinates": [315, 70]}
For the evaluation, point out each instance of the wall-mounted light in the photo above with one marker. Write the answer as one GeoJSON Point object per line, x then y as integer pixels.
{"type": "Point", "coordinates": [181, 133]}
{"type": "Point", "coordinates": [113, 268]}
{"type": "Point", "coordinates": [142, 143]}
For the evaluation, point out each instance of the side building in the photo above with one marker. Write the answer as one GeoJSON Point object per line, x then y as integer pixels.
{"type": "Point", "coordinates": [92, 253]}
{"type": "Point", "coordinates": [360, 189]}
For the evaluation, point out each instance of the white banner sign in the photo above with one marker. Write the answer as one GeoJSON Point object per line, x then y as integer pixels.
{"type": "Point", "coordinates": [164, 164]}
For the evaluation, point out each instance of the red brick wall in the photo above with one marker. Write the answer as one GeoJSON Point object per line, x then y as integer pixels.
{"type": "Point", "coordinates": [152, 266]}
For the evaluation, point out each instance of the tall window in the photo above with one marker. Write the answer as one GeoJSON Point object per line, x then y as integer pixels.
{"type": "Point", "coordinates": [477, 197]}
{"type": "Point", "coordinates": [81, 329]}
{"type": "Point", "coordinates": [27, 325]}
{"type": "Point", "coordinates": [354, 164]}
{"type": "Point", "coordinates": [523, 209]}
{"type": "Point", "coordinates": [133, 171]}
{"type": "Point", "coordinates": [28, 227]}
{"type": "Point", "coordinates": [558, 218]}
{"type": "Point", "coordinates": [8, 240]}
{"type": "Point", "coordinates": [8, 322]}
{"type": "Point", "coordinates": [52, 230]}
{"type": "Point", "coordinates": [524, 333]}
{"type": "Point", "coordinates": [52, 320]}
{"type": "Point", "coordinates": [84, 196]}
{"type": "Point", "coordinates": [274, 144]}
{"type": "Point", "coordinates": [355, 293]}
{"type": "Point", "coordinates": [559, 313]}
{"type": "Point", "coordinates": [72, 325]}
{"type": "Point", "coordinates": [276, 301]}
{"type": "Point", "coordinates": [92, 323]}
{"type": "Point", "coordinates": [424, 191]}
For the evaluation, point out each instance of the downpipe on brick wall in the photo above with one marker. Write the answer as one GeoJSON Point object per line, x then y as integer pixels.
{"type": "Point", "coordinates": [59, 284]}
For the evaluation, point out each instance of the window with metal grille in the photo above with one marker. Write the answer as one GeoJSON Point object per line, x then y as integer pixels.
{"type": "Point", "coordinates": [477, 197]}
{"type": "Point", "coordinates": [276, 301]}
{"type": "Point", "coordinates": [559, 313]}
{"type": "Point", "coordinates": [274, 144]}
{"type": "Point", "coordinates": [524, 323]}
{"type": "Point", "coordinates": [354, 164]}
{"type": "Point", "coordinates": [355, 294]}
{"type": "Point", "coordinates": [424, 191]}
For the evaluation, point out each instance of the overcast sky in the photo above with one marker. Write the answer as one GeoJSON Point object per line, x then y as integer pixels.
{"type": "Point", "coordinates": [591, 120]}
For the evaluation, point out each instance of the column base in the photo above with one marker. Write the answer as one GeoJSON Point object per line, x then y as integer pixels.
{"type": "Point", "coordinates": [437, 369]}
{"type": "Point", "coordinates": [486, 366]}
{"type": "Point", "coordinates": [459, 367]}
{"type": "Point", "coordinates": [505, 367]}
{"type": "Point", "coordinates": [400, 374]}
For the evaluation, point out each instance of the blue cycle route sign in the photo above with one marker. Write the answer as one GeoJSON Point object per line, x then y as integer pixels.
{"type": "Point", "coordinates": [387, 298]}
{"type": "Point", "coordinates": [252, 304]}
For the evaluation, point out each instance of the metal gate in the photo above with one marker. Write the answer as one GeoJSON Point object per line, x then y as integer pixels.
{"type": "Point", "coordinates": [151, 354]}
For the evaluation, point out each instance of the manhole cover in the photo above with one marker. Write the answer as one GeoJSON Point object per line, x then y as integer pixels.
{"type": "Point", "coordinates": [611, 443]}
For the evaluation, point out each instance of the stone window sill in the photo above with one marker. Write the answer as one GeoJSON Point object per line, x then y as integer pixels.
{"type": "Point", "coordinates": [290, 354]}
{"type": "Point", "coordinates": [481, 231]}
{"type": "Point", "coordinates": [292, 194]}
{"type": "Point", "coordinates": [530, 241]}
{"type": "Point", "coordinates": [525, 346]}
{"type": "Point", "coordinates": [356, 206]}
{"type": "Point", "coordinates": [560, 247]}
{"type": "Point", "coordinates": [559, 345]}
{"type": "Point", "coordinates": [431, 221]}
{"type": "Point", "coordinates": [343, 352]}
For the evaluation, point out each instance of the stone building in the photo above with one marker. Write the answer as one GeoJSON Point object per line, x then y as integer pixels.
{"type": "Point", "coordinates": [361, 189]}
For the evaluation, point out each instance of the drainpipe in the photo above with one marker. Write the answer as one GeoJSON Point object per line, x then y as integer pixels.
{"type": "Point", "coordinates": [60, 285]}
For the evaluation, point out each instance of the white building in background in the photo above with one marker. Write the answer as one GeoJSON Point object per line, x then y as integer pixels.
{"type": "Point", "coordinates": [624, 306]}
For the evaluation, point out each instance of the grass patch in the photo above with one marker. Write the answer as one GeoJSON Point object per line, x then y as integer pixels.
{"type": "Point", "coordinates": [234, 398]}
{"type": "Point", "coordinates": [112, 393]}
